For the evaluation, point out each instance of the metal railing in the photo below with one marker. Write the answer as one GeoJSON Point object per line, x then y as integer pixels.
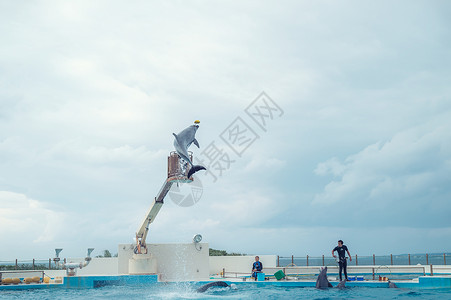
{"type": "Point", "coordinates": [401, 259]}
{"type": "Point", "coordinates": [30, 264]}
{"type": "Point", "coordinates": [398, 272]}
{"type": "Point", "coordinates": [367, 270]}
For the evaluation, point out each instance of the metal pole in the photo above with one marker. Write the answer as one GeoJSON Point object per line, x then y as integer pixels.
{"type": "Point", "coordinates": [323, 260]}
{"type": "Point", "coordinates": [356, 261]}
{"type": "Point", "coordinates": [292, 259]}
{"type": "Point", "coordinates": [444, 258]}
{"type": "Point", "coordinates": [427, 259]}
{"type": "Point", "coordinates": [278, 261]}
{"type": "Point", "coordinates": [33, 263]}
{"type": "Point", "coordinates": [391, 259]}
{"type": "Point", "coordinates": [432, 272]}
{"type": "Point", "coordinates": [374, 259]}
{"type": "Point", "coordinates": [409, 259]}
{"type": "Point", "coordinates": [373, 272]}
{"type": "Point", "coordinates": [50, 263]}
{"type": "Point", "coordinates": [307, 260]}
{"type": "Point", "coordinates": [16, 263]}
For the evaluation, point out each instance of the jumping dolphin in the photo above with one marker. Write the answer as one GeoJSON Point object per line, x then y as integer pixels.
{"type": "Point", "coordinates": [322, 282]}
{"type": "Point", "coordinates": [211, 284]}
{"type": "Point", "coordinates": [182, 141]}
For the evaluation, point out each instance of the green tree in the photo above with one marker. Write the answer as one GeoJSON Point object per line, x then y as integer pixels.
{"type": "Point", "coordinates": [215, 252]}
{"type": "Point", "coordinates": [106, 253]}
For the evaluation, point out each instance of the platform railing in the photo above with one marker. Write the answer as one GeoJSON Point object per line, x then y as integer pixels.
{"type": "Point", "coordinates": [374, 271]}
{"type": "Point", "coordinates": [402, 259]}
{"type": "Point", "coordinates": [227, 274]}
{"type": "Point", "coordinates": [28, 264]}
{"type": "Point", "coordinates": [370, 272]}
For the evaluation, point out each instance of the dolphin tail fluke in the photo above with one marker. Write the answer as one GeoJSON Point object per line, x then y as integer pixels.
{"type": "Point", "coordinates": [194, 169]}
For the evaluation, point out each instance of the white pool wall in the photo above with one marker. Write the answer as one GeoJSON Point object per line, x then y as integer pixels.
{"type": "Point", "coordinates": [175, 261]}
{"type": "Point", "coordinates": [240, 264]}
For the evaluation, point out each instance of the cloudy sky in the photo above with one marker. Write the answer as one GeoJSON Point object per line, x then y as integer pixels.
{"type": "Point", "coordinates": [358, 145]}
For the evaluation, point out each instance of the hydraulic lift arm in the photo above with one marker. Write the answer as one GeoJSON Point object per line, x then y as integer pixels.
{"type": "Point", "coordinates": [154, 209]}
{"type": "Point", "coordinates": [176, 173]}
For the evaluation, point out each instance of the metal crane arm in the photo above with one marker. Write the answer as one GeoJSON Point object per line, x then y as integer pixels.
{"type": "Point", "coordinates": [177, 172]}
{"type": "Point", "coordinates": [154, 209]}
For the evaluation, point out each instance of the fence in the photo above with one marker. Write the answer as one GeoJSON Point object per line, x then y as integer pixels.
{"type": "Point", "coordinates": [400, 259]}
{"type": "Point", "coordinates": [367, 272]}
{"type": "Point", "coordinates": [31, 264]}
{"type": "Point", "coordinates": [282, 261]}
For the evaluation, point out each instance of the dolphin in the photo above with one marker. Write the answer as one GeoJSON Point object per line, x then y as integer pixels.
{"type": "Point", "coordinates": [321, 281]}
{"type": "Point", "coordinates": [392, 285]}
{"type": "Point", "coordinates": [341, 284]}
{"type": "Point", "coordinates": [211, 284]}
{"type": "Point", "coordinates": [182, 141]}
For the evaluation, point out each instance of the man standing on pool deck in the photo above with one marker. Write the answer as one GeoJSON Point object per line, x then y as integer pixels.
{"type": "Point", "coordinates": [256, 267]}
{"type": "Point", "coordinates": [341, 250]}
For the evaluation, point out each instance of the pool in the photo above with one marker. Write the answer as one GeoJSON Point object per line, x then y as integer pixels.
{"type": "Point", "coordinates": [239, 291]}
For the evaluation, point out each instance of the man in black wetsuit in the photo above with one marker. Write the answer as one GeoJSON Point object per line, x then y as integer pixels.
{"type": "Point", "coordinates": [256, 267]}
{"type": "Point", "coordinates": [341, 250]}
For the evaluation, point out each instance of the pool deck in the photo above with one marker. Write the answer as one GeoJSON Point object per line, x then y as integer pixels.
{"type": "Point", "coordinates": [87, 282]}
{"type": "Point", "coordinates": [421, 282]}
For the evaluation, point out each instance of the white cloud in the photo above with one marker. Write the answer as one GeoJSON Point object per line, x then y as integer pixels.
{"type": "Point", "coordinates": [89, 98]}
{"type": "Point", "coordinates": [332, 166]}
{"type": "Point", "coordinates": [261, 163]}
{"type": "Point", "coordinates": [76, 151]}
{"type": "Point", "coordinates": [26, 219]}
{"type": "Point", "coordinates": [406, 175]}
{"type": "Point", "coordinates": [245, 208]}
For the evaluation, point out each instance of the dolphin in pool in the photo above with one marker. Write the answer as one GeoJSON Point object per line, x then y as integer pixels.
{"type": "Point", "coordinates": [392, 285]}
{"type": "Point", "coordinates": [212, 284]}
{"type": "Point", "coordinates": [182, 141]}
{"type": "Point", "coordinates": [341, 284]}
{"type": "Point", "coordinates": [322, 282]}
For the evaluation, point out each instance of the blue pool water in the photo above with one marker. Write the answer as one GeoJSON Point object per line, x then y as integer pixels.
{"type": "Point", "coordinates": [240, 291]}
